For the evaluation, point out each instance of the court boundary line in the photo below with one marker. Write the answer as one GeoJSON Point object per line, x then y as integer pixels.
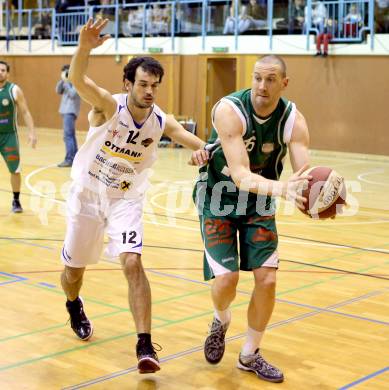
{"type": "Point", "coordinates": [167, 323]}
{"type": "Point", "coordinates": [361, 177]}
{"type": "Point", "coordinates": [191, 350]}
{"type": "Point", "coordinates": [119, 310]}
{"type": "Point", "coordinates": [364, 379]}
{"type": "Point", "coordinates": [336, 269]}
{"type": "Point", "coordinates": [15, 278]}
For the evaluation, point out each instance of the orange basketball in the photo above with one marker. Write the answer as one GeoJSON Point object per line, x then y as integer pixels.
{"type": "Point", "coordinates": [326, 193]}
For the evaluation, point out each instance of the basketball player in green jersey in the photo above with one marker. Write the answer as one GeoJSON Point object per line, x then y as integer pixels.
{"type": "Point", "coordinates": [12, 100]}
{"type": "Point", "coordinates": [253, 129]}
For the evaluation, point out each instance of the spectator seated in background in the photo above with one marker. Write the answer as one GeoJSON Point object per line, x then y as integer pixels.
{"type": "Point", "coordinates": [352, 21]}
{"type": "Point", "coordinates": [158, 20]}
{"type": "Point", "coordinates": [135, 20]}
{"type": "Point", "coordinates": [104, 12]}
{"type": "Point", "coordinates": [319, 21]}
{"type": "Point", "coordinates": [297, 17]}
{"type": "Point", "coordinates": [381, 16]}
{"type": "Point", "coordinates": [324, 38]}
{"type": "Point", "coordinates": [63, 5]}
{"type": "Point", "coordinates": [42, 29]}
{"type": "Point", "coordinates": [319, 16]}
{"type": "Point", "coordinates": [253, 17]}
{"type": "Point", "coordinates": [229, 24]}
{"type": "Point", "coordinates": [107, 12]}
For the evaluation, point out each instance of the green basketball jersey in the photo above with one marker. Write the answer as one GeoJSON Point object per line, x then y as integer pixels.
{"type": "Point", "coordinates": [7, 109]}
{"type": "Point", "coordinates": [266, 144]}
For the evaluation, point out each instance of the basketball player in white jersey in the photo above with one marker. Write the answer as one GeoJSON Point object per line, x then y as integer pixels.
{"type": "Point", "coordinates": [109, 180]}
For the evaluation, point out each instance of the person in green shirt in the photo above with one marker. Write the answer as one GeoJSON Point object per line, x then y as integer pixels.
{"type": "Point", "coordinates": [12, 101]}
{"type": "Point", "coordinates": [252, 131]}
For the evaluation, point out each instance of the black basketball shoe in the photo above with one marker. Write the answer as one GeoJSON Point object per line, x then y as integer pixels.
{"type": "Point", "coordinates": [79, 322]}
{"type": "Point", "coordinates": [16, 206]}
{"type": "Point", "coordinates": [147, 357]}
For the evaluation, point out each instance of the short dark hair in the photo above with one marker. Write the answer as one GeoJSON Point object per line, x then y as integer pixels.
{"type": "Point", "coordinates": [274, 59]}
{"type": "Point", "coordinates": [6, 65]}
{"type": "Point", "coordinates": [65, 67]}
{"type": "Point", "coordinates": [148, 64]}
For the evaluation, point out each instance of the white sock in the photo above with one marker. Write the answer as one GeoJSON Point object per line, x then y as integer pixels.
{"type": "Point", "coordinates": [224, 316]}
{"type": "Point", "coordinates": [253, 339]}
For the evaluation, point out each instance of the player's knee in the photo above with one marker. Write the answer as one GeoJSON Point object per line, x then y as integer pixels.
{"type": "Point", "coordinates": [269, 284]}
{"type": "Point", "coordinates": [73, 275]}
{"type": "Point", "coordinates": [131, 264]}
{"type": "Point", "coordinates": [227, 281]}
{"type": "Point", "coordinates": [265, 278]}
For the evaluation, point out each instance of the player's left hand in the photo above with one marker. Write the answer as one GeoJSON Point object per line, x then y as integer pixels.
{"type": "Point", "coordinates": [32, 139]}
{"type": "Point", "coordinates": [199, 157]}
{"type": "Point", "coordinates": [293, 188]}
{"type": "Point", "coordinates": [90, 34]}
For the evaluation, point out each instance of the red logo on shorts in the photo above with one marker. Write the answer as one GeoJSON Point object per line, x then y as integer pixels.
{"type": "Point", "coordinates": [259, 218]}
{"type": "Point", "coordinates": [9, 149]}
{"type": "Point", "coordinates": [13, 157]}
{"type": "Point", "coordinates": [262, 234]}
{"type": "Point", "coordinates": [218, 231]}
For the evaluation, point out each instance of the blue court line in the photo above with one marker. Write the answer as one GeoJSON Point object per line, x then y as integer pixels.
{"type": "Point", "coordinates": [198, 348]}
{"type": "Point", "coordinates": [176, 355]}
{"type": "Point", "coordinates": [47, 285]}
{"type": "Point", "coordinates": [276, 324]}
{"type": "Point", "coordinates": [318, 309]}
{"type": "Point", "coordinates": [27, 243]}
{"type": "Point", "coordinates": [371, 293]}
{"type": "Point", "coordinates": [364, 379]}
{"type": "Point", "coordinates": [16, 278]}
{"type": "Point", "coordinates": [178, 277]}
{"type": "Point", "coordinates": [328, 310]}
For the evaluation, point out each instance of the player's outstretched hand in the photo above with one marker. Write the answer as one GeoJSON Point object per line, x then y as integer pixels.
{"type": "Point", "coordinates": [295, 185]}
{"type": "Point", "coordinates": [32, 139]}
{"type": "Point", "coordinates": [199, 157]}
{"type": "Point", "coordinates": [90, 34]}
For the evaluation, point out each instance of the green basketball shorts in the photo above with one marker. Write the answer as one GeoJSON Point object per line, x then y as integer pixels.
{"type": "Point", "coordinates": [258, 243]}
{"type": "Point", "coordinates": [9, 149]}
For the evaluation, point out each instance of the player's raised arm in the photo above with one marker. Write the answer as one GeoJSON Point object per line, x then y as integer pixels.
{"type": "Point", "coordinates": [100, 99]}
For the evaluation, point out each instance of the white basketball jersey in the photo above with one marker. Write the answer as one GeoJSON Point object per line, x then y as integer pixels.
{"type": "Point", "coordinates": [115, 157]}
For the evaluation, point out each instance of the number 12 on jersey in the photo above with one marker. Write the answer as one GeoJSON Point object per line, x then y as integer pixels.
{"type": "Point", "coordinates": [132, 137]}
{"type": "Point", "coordinates": [130, 236]}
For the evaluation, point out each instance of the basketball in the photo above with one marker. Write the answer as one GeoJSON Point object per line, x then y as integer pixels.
{"type": "Point", "coordinates": [325, 194]}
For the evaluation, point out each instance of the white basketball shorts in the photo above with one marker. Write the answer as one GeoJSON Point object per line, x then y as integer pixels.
{"type": "Point", "coordinates": [89, 215]}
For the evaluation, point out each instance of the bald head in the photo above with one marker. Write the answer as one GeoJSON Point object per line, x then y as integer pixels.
{"type": "Point", "coordinates": [273, 60]}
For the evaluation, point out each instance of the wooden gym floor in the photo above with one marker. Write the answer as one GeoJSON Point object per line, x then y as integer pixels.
{"type": "Point", "coordinates": [329, 330]}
